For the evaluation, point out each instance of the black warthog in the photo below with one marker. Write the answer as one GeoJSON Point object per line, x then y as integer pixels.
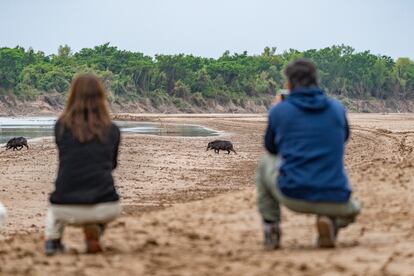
{"type": "Point", "coordinates": [17, 143]}
{"type": "Point", "coordinates": [218, 145]}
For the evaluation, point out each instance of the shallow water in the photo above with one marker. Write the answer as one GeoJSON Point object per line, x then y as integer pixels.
{"type": "Point", "coordinates": [37, 127]}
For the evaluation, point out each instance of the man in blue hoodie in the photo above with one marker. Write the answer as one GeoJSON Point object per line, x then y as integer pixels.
{"type": "Point", "coordinates": [304, 167]}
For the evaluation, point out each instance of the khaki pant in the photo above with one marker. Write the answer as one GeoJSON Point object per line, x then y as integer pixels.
{"type": "Point", "coordinates": [60, 215]}
{"type": "Point", "coordinates": [269, 197]}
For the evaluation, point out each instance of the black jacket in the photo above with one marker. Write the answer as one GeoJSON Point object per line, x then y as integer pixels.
{"type": "Point", "coordinates": [85, 169]}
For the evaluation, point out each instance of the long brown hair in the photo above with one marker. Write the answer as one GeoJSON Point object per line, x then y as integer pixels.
{"type": "Point", "coordinates": [86, 113]}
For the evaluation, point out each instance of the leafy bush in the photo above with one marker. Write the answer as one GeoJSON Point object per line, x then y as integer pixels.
{"type": "Point", "coordinates": [345, 73]}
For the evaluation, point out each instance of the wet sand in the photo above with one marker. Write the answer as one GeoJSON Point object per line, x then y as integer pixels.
{"type": "Point", "coordinates": [188, 211]}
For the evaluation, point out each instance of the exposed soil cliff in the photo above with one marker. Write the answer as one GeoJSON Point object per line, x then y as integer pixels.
{"type": "Point", "coordinates": [51, 104]}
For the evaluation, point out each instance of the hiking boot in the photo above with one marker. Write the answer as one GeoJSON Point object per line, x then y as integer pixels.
{"type": "Point", "coordinates": [92, 235]}
{"type": "Point", "coordinates": [271, 236]}
{"type": "Point", "coordinates": [53, 247]}
{"type": "Point", "coordinates": [327, 231]}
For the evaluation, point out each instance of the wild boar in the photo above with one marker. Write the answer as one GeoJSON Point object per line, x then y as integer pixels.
{"type": "Point", "coordinates": [218, 145]}
{"type": "Point", "coordinates": [17, 143]}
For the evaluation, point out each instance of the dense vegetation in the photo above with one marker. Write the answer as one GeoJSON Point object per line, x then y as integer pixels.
{"type": "Point", "coordinates": [190, 80]}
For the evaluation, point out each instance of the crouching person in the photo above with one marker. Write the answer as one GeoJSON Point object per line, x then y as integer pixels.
{"type": "Point", "coordinates": [87, 143]}
{"type": "Point", "coordinates": [304, 168]}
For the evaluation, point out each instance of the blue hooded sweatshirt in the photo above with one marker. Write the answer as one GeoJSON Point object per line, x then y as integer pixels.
{"type": "Point", "coordinates": [309, 130]}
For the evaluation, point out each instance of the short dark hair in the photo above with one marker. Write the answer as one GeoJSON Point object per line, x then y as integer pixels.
{"type": "Point", "coordinates": [302, 73]}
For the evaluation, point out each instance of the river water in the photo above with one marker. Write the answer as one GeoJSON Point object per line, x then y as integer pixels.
{"type": "Point", "coordinates": [37, 127]}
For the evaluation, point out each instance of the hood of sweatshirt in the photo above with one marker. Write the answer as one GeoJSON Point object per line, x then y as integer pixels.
{"type": "Point", "coordinates": [309, 99]}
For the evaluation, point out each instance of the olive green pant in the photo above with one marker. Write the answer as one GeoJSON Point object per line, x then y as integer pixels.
{"type": "Point", "coordinates": [269, 197]}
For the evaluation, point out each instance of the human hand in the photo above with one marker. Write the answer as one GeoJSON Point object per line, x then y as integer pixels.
{"type": "Point", "coordinates": [277, 99]}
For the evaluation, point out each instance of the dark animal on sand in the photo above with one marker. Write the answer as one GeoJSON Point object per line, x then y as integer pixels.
{"type": "Point", "coordinates": [17, 143]}
{"type": "Point", "coordinates": [218, 145]}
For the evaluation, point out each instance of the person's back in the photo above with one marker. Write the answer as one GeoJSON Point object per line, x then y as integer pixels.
{"type": "Point", "coordinates": [88, 143]}
{"type": "Point", "coordinates": [312, 131]}
{"type": "Point", "coordinates": [304, 169]}
{"type": "Point", "coordinates": [85, 169]}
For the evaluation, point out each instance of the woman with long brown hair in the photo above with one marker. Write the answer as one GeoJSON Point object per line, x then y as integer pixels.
{"type": "Point", "coordinates": [87, 142]}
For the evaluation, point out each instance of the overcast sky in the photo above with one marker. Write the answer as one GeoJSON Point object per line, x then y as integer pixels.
{"type": "Point", "coordinates": [209, 27]}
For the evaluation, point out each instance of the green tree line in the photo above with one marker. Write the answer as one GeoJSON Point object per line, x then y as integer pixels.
{"type": "Point", "coordinates": [344, 73]}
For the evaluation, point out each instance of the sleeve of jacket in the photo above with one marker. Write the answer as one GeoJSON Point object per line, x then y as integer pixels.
{"type": "Point", "coordinates": [269, 139]}
{"type": "Point", "coordinates": [57, 131]}
{"type": "Point", "coordinates": [116, 147]}
{"type": "Point", "coordinates": [341, 114]}
{"type": "Point", "coordinates": [347, 131]}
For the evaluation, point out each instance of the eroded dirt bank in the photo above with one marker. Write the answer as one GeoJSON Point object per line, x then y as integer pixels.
{"type": "Point", "coordinates": [165, 232]}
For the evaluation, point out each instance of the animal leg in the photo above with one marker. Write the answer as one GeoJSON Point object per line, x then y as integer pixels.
{"type": "Point", "coordinates": [228, 152]}
{"type": "Point", "coordinates": [233, 151]}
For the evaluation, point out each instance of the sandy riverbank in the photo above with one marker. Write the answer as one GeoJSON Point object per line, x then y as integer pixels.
{"type": "Point", "coordinates": [188, 211]}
